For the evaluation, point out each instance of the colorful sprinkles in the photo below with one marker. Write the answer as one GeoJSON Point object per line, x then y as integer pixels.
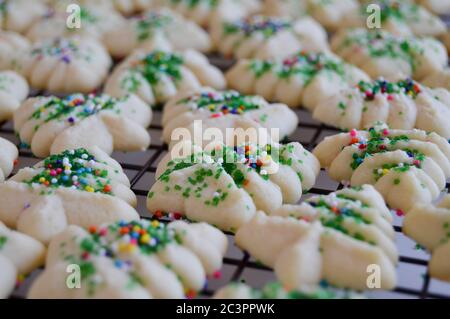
{"type": "Point", "coordinates": [76, 169]}
{"type": "Point", "coordinates": [222, 103]}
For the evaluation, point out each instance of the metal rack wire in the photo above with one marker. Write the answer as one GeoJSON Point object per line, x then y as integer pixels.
{"type": "Point", "coordinates": [140, 167]}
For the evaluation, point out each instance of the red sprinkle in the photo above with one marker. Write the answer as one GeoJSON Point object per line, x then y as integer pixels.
{"type": "Point", "coordinates": [399, 212]}
{"type": "Point", "coordinates": [85, 255]}
{"type": "Point", "coordinates": [177, 215]}
{"type": "Point", "coordinates": [16, 161]}
{"type": "Point", "coordinates": [385, 131]}
{"type": "Point", "coordinates": [217, 274]}
{"type": "Point", "coordinates": [92, 229]}
{"type": "Point", "coordinates": [158, 214]}
{"type": "Point", "coordinates": [107, 188]}
{"type": "Point", "coordinates": [390, 97]}
{"type": "Point", "coordinates": [353, 133]}
{"type": "Point", "coordinates": [362, 146]}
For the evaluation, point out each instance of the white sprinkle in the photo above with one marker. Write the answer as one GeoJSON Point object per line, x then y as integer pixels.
{"type": "Point", "coordinates": [75, 178]}
{"type": "Point", "coordinates": [54, 181]}
{"type": "Point", "coordinates": [84, 156]}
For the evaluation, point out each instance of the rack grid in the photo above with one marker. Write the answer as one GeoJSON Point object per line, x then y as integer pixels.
{"type": "Point", "coordinates": [140, 167]}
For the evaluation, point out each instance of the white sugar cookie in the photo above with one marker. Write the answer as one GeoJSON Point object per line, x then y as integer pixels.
{"type": "Point", "coordinates": [19, 15]}
{"type": "Point", "coordinates": [405, 166]}
{"type": "Point", "coordinates": [334, 237]}
{"type": "Point", "coordinates": [8, 155]}
{"type": "Point", "coordinates": [51, 124]}
{"type": "Point", "coordinates": [74, 187]}
{"type": "Point", "coordinates": [401, 105]}
{"type": "Point", "coordinates": [157, 76]}
{"type": "Point", "coordinates": [275, 290]}
{"type": "Point", "coordinates": [438, 79]}
{"type": "Point", "coordinates": [13, 49]}
{"type": "Point", "coordinates": [268, 37]}
{"type": "Point", "coordinates": [66, 65]}
{"type": "Point", "coordinates": [402, 18]}
{"type": "Point", "coordinates": [19, 255]}
{"type": "Point", "coordinates": [302, 79]}
{"type": "Point", "coordinates": [156, 29]}
{"type": "Point", "coordinates": [329, 13]}
{"type": "Point", "coordinates": [380, 53]}
{"type": "Point", "coordinates": [207, 13]}
{"type": "Point", "coordinates": [13, 90]}
{"type": "Point", "coordinates": [138, 259]}
{"type": "Point", "coordinates": [226, 110]}
{"type": "Point", "coordinates": [224, 186]}
{"type": "Point", "coordinates": [95, 21]}
{"type": "Point", "coordinates": [429, 225]}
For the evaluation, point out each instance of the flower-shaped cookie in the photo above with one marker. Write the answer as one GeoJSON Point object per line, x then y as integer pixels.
{"type": "Point", "coordinates": [209, 12]}
{"type": "Point", "coordinates": [8, 156]}
{"type": "Point", "coordinates": [405, 166]}
{"type": "Point", "coordinates": [157, 76]}
{"type": "Point", "coordinates": [275, 290]}
{"type": "Point", "coordinates": [225, 185]}
{"type": "Point", "coordinates": [66, 65]}
{"type": "Point", "coordinates": [438, 79]}
{"type": "Point", "coordinates": [13, 90]}
{"type": "Point", "coordinates": [436, 6]}
{"type": "Point", "coordinates": [19, 255]}
{"type": "Point", "coordinates": [268, 37]}
{"type": "Point", "coordinates": [138, 259]}
{"type": "Point", "coordinates": [52, 124]}
{"type": "Point", "coordinates": [156, 29]}
{"type": "Point", "coordinates": [19, 15]}
{"type": "Point", "coordinates": [13, 49]}
{"type": "Point", "coordinates": [74, 187]}
{"type": "Point", "coordinates": [380, 53]}
{"type": "Point", "coordinates": [403, 18]}
{"type": "Point", "coordinates": [301, 79]}
{"type": "Point", "coordinates": [94, 22]}
{"type": "Point", "coordinates": [329, 13]}
{"type": "Point", "coordinates": [429, 225]}
{"type": "Point", "coordinates": [225, 110]}
{"type": "Point", "coordinates": [335, 237]}
{"type": "Point", "coordinates": [402, 105]}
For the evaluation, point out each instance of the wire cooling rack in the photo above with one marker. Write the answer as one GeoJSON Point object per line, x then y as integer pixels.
{"type": "Point", "coordinates": [140, 167]}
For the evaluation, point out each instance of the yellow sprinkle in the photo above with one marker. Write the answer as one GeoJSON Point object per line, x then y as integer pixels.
{"type": "Point", "coordinates": [131, 248]}
{"type": "Point", "coordinates": [385, 171]}
{"type": "Point", "coordinates": [123, 247]}
{"type": "Point", "coordinates": [145, 239]}
{"type": "Point", "coordinates": [155, 223]}
{"type": "Point", "coordinates": [89, 189]}
{"type": "Point", "coordinates": [136, 228]}
{"type": "Point", "coordinates": [42, 179]}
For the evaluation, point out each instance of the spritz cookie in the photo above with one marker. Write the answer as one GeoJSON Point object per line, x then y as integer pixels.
{"type": "Point", "coordinates": [226, 111]}
{"type": "Point", "coordinates": [436, 6]}
{"type": "Point", "coordinates": [438, 79]}
{"type": "Point", "coordinates": [224, 186]}
{"type": "Point", "coordinates": [405, 166]}
{"type": "Point", "coordinates": [156, 29]}
{"type": "Point", "coordinates": [19, 255]}
{"type": "Point", "coordinates": [334, 238]}
{"type": "Point", "coordinates": [50, 124]}
{"type": "Point", "coordinates": [402, 18]}
{"type": "Point", "coordinates": [77, 187]}
{"type": "Point", "coordinates": [209, 12]}
{"type": "Point", "coordinates": [8, 156]}
{"type": "Point", "coordinates": [381, 54]}
{"type": "Point", "coordinates": [13, 90]}
{"type": "Point", "coordinates": [268, 37]}
{"type": "Point", "coordinates": [329, 13]}
{"type": "Point", "coordinates": [401, 105]}
{"type": "Point", "coordinates": [19, 15]}
{"type": "Point", "coordinates": [302, 79]}
{"type": "Point", "coordinates": [275, 290]}
{"type": "Point", "coordinates": [159, 75]}
{"type": "Point", "coordinates": [13, 49]}
{"type": "Point", "coordinates": [95, 21]}
{"type": "Point", "coordinates": [132, 260]}
{"type": "Point", "coordinates": [429, 225]}
{"type": "Point", "coordinates": [66, 65]}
